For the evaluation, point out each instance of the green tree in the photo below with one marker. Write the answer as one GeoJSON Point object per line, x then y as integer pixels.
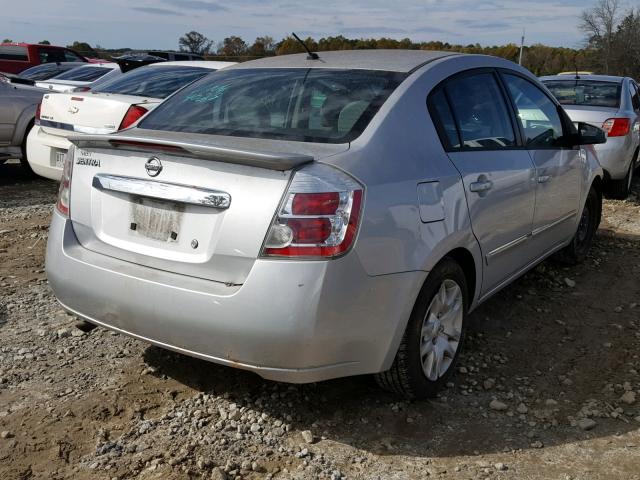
{"type": "Point", "coordinates": [233, 47]}
{"type": "Point", "coordinates": [195, 42]}
{"type": "Point", "coordinates": [83, 47]}
{"type": "Point", "coordinates": [263, 46]}
{"type": "Point", "coordinates": [44, 42]}
{"type": "Point", "coordinates": [7, 40]}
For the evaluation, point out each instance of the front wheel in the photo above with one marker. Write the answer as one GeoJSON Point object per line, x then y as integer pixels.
{"type": "Point", "coordinates": [577, 250]}
{"type": "Point", "coordinates": [429, 349]}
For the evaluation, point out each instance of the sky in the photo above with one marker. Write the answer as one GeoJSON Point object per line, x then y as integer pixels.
{"type": "Point", "coordinates": [158, 24]}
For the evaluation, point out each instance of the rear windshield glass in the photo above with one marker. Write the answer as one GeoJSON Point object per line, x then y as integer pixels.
{"type": "Point", "coordinates": [586, 92]}
{"type": "Point", "coordinates": [311, 105]}
{"type": "Point", "coordinates": [84, 74]}
{"type": "Point", "coordinates": [45, 71]}
{"type": "Point", "coordinates": [13, 52]}
{"type": "Point", "coordinates": [153, 81]}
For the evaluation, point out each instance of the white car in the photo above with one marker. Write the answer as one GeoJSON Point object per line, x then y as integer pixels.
{"type": "Point", "coordinates": [108, 108]}
{"type": "Point", "coordinates": [81, 78]}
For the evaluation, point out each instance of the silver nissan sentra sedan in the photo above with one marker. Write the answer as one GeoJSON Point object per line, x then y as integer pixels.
{"type": "Point", "coordinates": [307, 219]}
{"type": "Point", "coordinates": [612, 103]}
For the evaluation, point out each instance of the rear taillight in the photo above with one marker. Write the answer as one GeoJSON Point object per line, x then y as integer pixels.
{"type": "Point", "coordinates": [64, 192]}
{"type": "Point", "coordinates": [132, 116]}
{"type": "Point", "coordinates": [38, 109]}
{"type": "Point", "coordinates": [617, 127]}
{"type": "Point", "coordinates": [319, 215]}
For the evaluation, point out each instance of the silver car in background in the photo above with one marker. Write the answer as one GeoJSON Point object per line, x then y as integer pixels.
{"type": "Point", "coordinates": [18, 106]}
{"type": "Point", "coordinates": [307, 219]}
{"type": "Point", "coordinates": [612, 103]}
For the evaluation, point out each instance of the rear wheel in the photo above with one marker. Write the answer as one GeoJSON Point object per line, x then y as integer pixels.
{"type": "Point", "coordinates": [23, 160]}
{"type": "Point", "coordinates": [431, 343]}
{"type": "Point", "coordinates": [577, 250]}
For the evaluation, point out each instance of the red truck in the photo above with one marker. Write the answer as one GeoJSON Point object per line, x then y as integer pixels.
{"type": "Point", "coordinates": [16, 57]}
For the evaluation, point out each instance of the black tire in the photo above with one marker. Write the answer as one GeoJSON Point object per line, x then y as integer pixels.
{"type": "Point", "coordinates": [23, 160]}
{"type": "Point", "coordinates": [406, 376]}
{"type": "Point", "coordinates": [620, 189]}
{"type": "Point", "coordinates": [578, 249]}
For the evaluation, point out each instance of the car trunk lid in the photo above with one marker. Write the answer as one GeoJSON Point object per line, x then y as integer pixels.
{"type": "Point", "coordinates": [193, 206]}
{"type": "Point", "coordinates": [592, 115]}
{"type": "Point", "coordinates": [86, 112]}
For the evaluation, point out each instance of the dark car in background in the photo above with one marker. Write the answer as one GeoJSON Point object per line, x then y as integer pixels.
{"type": "Point", "coordinates": [16, 57]}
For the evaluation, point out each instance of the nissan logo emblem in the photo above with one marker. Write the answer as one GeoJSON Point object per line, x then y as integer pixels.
{"type": "Point", "coordinates": [153, 167]}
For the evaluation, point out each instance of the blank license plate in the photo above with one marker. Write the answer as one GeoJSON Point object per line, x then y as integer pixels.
{"type": "Point", "coordinates": [156, 219]}
{"type": "Point", "coordinates": [58, 157]}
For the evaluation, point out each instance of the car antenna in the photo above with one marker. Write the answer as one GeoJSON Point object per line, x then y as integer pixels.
{"type": "Point", "coordinates": [312, 55]}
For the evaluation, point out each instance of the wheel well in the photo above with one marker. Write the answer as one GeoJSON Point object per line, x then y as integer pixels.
{"type": "Point", "coordinates": [27, 129]}
{"type": "Point", "coordinates": [464, 258]}
{"type": "Point", "coordinates": [598, 185]}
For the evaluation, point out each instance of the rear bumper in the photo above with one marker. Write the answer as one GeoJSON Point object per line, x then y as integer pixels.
{"type": "Point", "coordinates": [39, 147]}
{"type": "Point", "coordinates": [290, 321]}
{"type": "Point", "coordinates": [616, 155]}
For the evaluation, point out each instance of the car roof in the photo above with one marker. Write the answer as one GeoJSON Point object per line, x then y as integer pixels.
{"type": "Point", "coordinates": [593, 78]}
{"type": "Point", "coordinates": [195, 63]}
{"type": "Point", "coordinates": [22, 44]}
{"type": "Point", "coordinates": [388, 60]}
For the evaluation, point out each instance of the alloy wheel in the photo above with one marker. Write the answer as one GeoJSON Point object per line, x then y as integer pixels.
{"type": "Point", "coordinates": [441, 330]}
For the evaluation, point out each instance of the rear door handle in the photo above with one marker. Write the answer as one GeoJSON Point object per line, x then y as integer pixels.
{"type": "Point", "coordinates": [481, 186]}
{"type": "Point", "coordinates": [544, 178]}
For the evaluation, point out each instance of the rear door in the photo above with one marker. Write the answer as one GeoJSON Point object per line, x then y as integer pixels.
{"type": "Point", "coordinates": [498, 175]}
{"type": "Point", "coordinates": [558, 167]}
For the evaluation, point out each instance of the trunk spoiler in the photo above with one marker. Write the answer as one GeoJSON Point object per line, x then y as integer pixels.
{"type": "Point", "coordinates": [270, 160]}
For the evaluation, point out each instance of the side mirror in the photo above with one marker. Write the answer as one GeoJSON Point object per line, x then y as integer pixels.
{"type": "Point", "coordinates": [590, 135]}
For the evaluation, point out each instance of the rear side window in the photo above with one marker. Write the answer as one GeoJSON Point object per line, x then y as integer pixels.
{"type": "Point", "coordinates": [50, 55]}
{"type": "Point", "coordinates": [299, 104]}
{"type": "Point", "coordinates": [537, 114]}
{"type": "Point", "coordinates": [72, 56]}
{"type": "Point", "coordinates": [635, 99]}
{"type": "Point", "coordinates": [444, 120]}
{"type": "Point", "coordinates": [153, 81]}
{"type": "Point", "coordinates": [480, 112]}
{"type": "Point", "coordinates": [84, 74]}
{"type": "Point", "coordinates": [586, 92]}
{"type": "Point", "coordinates": [14, 52]}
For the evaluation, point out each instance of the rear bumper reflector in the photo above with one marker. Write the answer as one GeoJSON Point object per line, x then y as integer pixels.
{"type": "Point", "coordinates": [163, 191]}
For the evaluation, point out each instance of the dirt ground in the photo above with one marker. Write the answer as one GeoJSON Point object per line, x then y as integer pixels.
{"type": "Point", "coordinates": [546, 387]}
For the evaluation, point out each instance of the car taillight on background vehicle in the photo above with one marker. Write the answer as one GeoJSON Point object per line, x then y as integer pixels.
{"type": "Point", "coordinates": [38, 109]}
{"type": "Point", "coordinates": [64, 192]}
{"type": "Point", "coordinates": [134, 114]}
{"type": "Point", "coordinates": [617, 127]}
{"type": "Point", "coordinates": [319, 215]}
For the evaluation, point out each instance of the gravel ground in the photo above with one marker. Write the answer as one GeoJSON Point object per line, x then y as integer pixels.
{"type": "Point", "coordinates": [548, 385]}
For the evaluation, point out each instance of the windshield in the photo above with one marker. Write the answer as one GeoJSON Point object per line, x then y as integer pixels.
{"type": "Point", "coordinates": [312, 105]}
{"type": "Point", "coordinates": [84, 74]}
{"type": "Point", "coordinates": [153, 81]}
{"type": "Point", "coordinates": [585, 92]}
